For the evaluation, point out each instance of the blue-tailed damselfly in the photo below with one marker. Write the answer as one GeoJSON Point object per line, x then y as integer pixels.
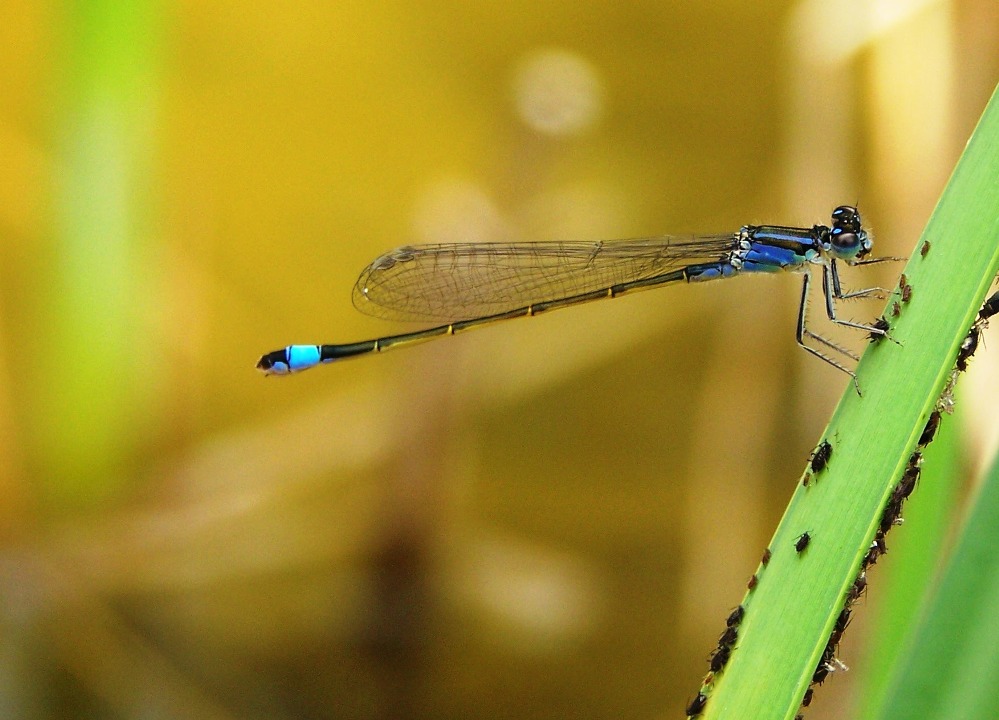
{"type": "Point", "coordinates": [466, 285]}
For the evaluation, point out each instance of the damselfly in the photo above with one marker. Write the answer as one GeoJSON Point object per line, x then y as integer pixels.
{"type": "Point", "coordinates": [467, 285]}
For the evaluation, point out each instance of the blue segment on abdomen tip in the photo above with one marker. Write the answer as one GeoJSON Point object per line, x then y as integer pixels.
{"type": "Point", "coordinates": [302, 357]}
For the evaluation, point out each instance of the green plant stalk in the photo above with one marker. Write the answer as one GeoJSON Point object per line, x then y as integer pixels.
{"type": "Point", "coordinates": [96, 376]}
{"type": "Point", "coordinates": [791, 613]}
{"type": "Point", "coordinates": [950, 667]}
{"type": "Point", "coordinates": [896, 604]}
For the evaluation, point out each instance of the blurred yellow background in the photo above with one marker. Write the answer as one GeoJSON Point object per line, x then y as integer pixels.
{"type": "Point", "coordinates": [546, 518]}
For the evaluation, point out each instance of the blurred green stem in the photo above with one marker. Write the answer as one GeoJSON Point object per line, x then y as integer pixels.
{"type": "Point", "coordinates": [94, 373]}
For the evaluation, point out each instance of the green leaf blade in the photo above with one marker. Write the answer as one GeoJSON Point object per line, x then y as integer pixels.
{"type": "Point", "coordinates": [791, 613]}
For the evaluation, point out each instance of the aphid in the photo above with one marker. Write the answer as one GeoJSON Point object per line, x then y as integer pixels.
{"type": "Point", "coordinates": [728, 637]}
{"type": "Point", "coordinates": [925, 248]}
{"type": "Point", "coordinates": [828, 663]}
{"type": "Point", "coordinates": [696, 706]}
{"type": "Point", "coordinates": [968, 347]}
{"type": "Point", "coordinates": [896, 310]}
{"type": "Point", "coordinates": [720, 659]}
{"type": "Point", "coordinates": [766, 557]}
{"type": "Point", "coordinates": [802, 542]}
{"type": "Point", "coordinates": [871, 558]}
{"type": "Point", "coordinates": [807, 700]}
{"type": "Point", "coordinates": [891, 513]}
{"type": "Point", "coordinates": [930, 430]}
{"type": "Point", "coordinates": [820, 456]}
{"type": "Point", "coordinates": [735, 617]}
{"type": "Point", "coordinates": [970, 343]}
{"type": "Point", "coordinates": [858, 588]}
{"type": "Point", "coordinates": [909, 478]}
{"type": "Point", "coordinates": [821, 672]}
{"type": "Point", "coordinates": [905, 288]}
{"type": "Point", "coordinates": [751, 585]}
{"type": "Point", "coordinates": [879, 324]}
{"type": "Point", "coordinates": [990, 308]}
{"type": "Point", "coordinates": [828, 655]}
{"type": "Point", "coordinates": [877, 549]}
{"type": "Point", "coordinates": [842, 622]}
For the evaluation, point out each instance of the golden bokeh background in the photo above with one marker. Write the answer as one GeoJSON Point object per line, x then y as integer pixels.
{"type": "Point", "coordinates": [546, 518]}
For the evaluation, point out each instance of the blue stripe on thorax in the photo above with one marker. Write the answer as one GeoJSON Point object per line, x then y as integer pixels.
{"type": "Point", "coordinates": [772, 249]}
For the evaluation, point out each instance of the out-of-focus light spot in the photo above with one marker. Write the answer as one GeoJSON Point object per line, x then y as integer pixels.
{"type": "Point", "coordinates": [558, 92]}
{"type": "Point", "coordinates": [811, 19]}
{"type": "Point", "coordinates": [457, 211]}
{"type": "Point", "coordinates": [537, 599]}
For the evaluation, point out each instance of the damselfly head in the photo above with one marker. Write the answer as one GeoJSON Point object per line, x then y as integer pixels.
{"type": "Point", "coordinates": [848, 240]}
{"type": "Point", "coordinates": [847, 218]}
{"type": "Point", "coordinates": [848, 246]}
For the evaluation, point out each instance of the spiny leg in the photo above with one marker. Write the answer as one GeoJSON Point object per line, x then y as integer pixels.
{"type": "Point", "coordinates": [828, 288]}
{"type": "Point", "coordinates": [825, 341]}
{"type": "Point", "coordinates": [803, 331]}
{"type": "Point", "coordinates": [876, 292]}
{"type": "Point", "coordinates": [876, 260]}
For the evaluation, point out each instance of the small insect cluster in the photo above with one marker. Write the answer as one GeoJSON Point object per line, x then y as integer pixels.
{"type": "Point", "coordinates": [890, 517]}
{"type": "Point", "coordinates": [881, 325]}
{"type": "Point", "coordinates": [904, 295]}
{"type": "Point", "coordinates": [967, 349]}
{"type": "Point", "coordinates": [817, 461]}
{"type": "Point", "coordinates": [892, 513]}
{"type": "Point", "coordinates": [719, 658]}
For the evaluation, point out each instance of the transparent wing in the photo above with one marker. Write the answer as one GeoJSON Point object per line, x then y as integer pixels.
{"type": "Point", "coordinates": [450, 282]}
